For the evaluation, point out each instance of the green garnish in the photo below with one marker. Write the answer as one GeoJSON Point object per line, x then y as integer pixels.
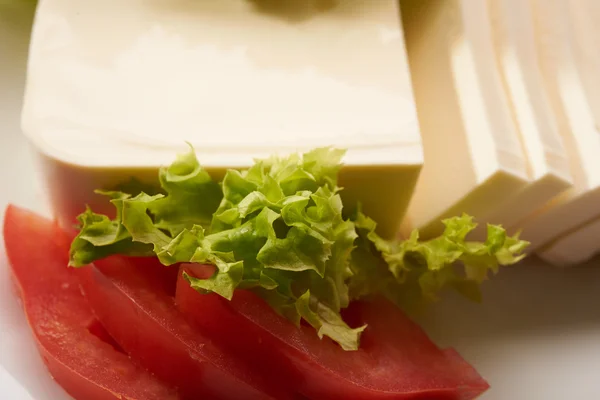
{"type": "Point", "coordinates": [278, 230]}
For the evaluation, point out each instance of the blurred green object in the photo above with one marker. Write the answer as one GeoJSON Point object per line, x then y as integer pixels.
{"type": "Point", "coordinates": [16, 20]}
{"type": "Point", "coordinates": [16, 3]}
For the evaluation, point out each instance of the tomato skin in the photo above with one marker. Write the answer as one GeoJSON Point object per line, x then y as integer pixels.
{"type": "Point", "coordinates": [131, 300]}
{"type": "Point", "coordinates": [396, 359]}
{"type": "Point", "coordinates": [84, 365]}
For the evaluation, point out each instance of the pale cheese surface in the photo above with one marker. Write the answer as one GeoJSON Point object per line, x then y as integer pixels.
{"type": "Point", "coordinates": [127, 83]}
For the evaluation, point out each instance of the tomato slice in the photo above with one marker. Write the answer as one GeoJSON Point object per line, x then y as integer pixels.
{"type": "Point", "coordinates": [131, 299]}
{"type": "Point", "coordinates": [68, 336]}
{"type": "Point", "coordinates": [396, 359]}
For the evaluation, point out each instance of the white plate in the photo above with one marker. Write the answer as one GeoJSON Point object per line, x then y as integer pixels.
{"type": "Point", "coordinates": [22, 373]}
{"type": "Point", "coordinates": [536, 337]}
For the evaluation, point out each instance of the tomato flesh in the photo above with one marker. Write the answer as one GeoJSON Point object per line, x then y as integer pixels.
{"type": "Point", "coordinates": [131, 299]}
{"type": "Point", "coordinates": [396, 359]}
{"type": "Point", "coordinates": [65, 328]}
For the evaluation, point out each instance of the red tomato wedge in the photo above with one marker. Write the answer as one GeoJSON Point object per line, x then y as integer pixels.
{"type": "Point", "coordinates": [67, 333]}
{"type": "Point", "coordinates": [396, 359]}
{"type": "Point", "coordinates": [131, 299]}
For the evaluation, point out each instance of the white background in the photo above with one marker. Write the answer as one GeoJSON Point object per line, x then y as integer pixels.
{"type": "Point", "coordinates": [536, 337]}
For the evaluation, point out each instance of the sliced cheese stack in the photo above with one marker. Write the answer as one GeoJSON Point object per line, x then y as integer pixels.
{"type": "Point", "coordinates": [583, 33]}
{"type": "Point", "coordinates": [570, 105]}
{"type": "Point", "coordinates": [515, 49]}
{"type": "Point", "coordinates": [115, 89]}
{"type": "Point", "coordinates": [474, 162]}
{"type": "Point", "coordinates": [507, 77]}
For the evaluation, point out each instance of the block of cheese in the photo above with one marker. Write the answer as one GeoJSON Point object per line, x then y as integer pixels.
{"type": "Point", "coordinates": [473, 158]}
{"type": "Point", "coordinates": [576, 124]}
{"type": "Point", "coordinates": [116, 88]}
{"type": "Point", "coordinates": [514, 41]}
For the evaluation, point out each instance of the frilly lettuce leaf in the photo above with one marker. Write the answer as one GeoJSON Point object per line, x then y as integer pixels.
{"type": "Point", "coordinates": [417, 270]}
{"type": "Point", "coordinates": [278, 229]}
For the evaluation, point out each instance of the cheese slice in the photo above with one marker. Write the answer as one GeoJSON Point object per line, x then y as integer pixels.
{"type": "Point", "coordinates": [514, 42]}
{"type": "Point", "coordinates": [575, 248]}
{"type": "Point", "coordinates": [570, 105]}
{"type": "Point", "coordinates": [116, 89]}
{"type": "Point", "coordinates": [474, 160]}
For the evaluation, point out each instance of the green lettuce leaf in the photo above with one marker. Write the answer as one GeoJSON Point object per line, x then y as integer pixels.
{"type": "Point", "coordinates": [278, 229]}
{"type": "Point", "coordinates": [419, 270]}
